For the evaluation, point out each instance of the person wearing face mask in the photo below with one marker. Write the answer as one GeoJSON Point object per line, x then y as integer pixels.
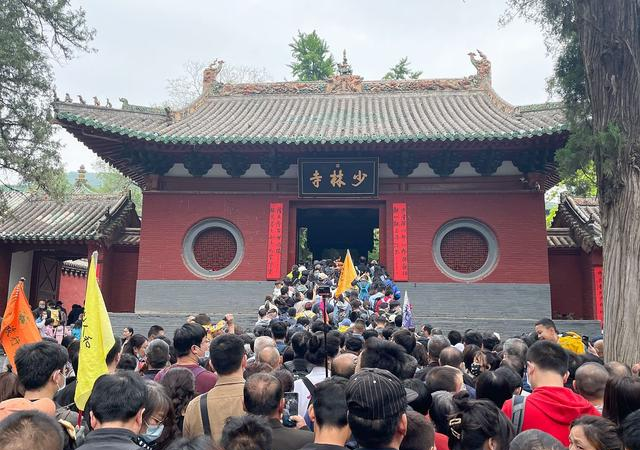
{"type": "Point", "coordinates": [157, 429]}
{"type": "Point", "coordinates": [191, 343]}
{"type": "Point", "coordinates": [42, 308]}
{"type": "Point", "coordinates": [137, 346]}
{"type": "Point", "coordinates": [41, 371]}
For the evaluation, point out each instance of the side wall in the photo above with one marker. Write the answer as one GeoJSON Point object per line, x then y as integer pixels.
{"type": "Point", "coordinates": [121, 279]}
{"type": "Point", "coordinates": [72, 289]}
{"type": "Point", "coordinates": [521, 276]}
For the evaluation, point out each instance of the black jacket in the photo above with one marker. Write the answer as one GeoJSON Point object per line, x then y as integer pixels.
{"type": "Point", "coordinates": [284, 438]}
{"type": "Point", "coordinates": [110, 439]}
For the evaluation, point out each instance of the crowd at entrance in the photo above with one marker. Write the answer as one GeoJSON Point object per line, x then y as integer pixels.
{"type": "Point", "coordinates": [323, 368]}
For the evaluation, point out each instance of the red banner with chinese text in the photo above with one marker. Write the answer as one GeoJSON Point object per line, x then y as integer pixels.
{"type": "Point", "coordinates": [597, 289]}
{"type": "Point", "coordinates": [274, 241]}
{"type": "Point", "coordinates": [400, 250]}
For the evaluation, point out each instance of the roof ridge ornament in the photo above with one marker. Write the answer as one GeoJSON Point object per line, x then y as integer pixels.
{"type": "Point", "coordinates": [210, 75]}
{"type": "Point", "coordinates": [483, 68]}
{"type": "Point", "coordinates": [344, 68]}
{"type": "Point", "coordinates": [345, 82]}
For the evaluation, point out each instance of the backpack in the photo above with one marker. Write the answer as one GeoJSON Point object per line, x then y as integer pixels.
{"type": "Point", "coordinates": [54, 314]}
{"type": "Point", "coordinates": [572, 341]}
{"type": "Point", "coordinates": [517, 412]}
{"type": "Point", "coordinates": [298, 368]}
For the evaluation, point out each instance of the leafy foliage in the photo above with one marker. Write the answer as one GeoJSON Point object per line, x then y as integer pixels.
{"type": "Point", "coordinates": [587, 153]}
{"type": "Point", "coordinates": [113, 182]}
{"type": "Point", "coordinates": [312, 60]}
{"type": "Point", "coordinates": [31, 34]}
{"type": "Point", "coordinates": [401, 71]}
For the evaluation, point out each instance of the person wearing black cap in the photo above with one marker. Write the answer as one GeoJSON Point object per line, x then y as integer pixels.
{"type": "Point", "coordinates": [376, 405]}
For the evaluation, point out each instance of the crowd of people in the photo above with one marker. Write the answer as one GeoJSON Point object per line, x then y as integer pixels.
{"type": "Point", "coordinates": [320, 371]}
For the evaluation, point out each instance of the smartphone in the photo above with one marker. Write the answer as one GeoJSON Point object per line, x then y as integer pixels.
{"type": "Point", "coordinates": [290, 408]}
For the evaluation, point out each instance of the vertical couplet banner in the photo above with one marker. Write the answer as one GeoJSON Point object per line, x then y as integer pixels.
{"type": "Point", "coordinates": [400, 259]}
{"type": "Point", "coordinates": [597, 289]}
{"type": "Point", "coordinates": [274, 242]}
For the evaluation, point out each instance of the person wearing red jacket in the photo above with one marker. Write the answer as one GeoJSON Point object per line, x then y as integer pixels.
{"type": "Point", "coordinates": [551, 407]}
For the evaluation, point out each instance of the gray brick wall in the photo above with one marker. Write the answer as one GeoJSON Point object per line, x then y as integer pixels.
{"type": "Point", "coordinates": [478, 300]}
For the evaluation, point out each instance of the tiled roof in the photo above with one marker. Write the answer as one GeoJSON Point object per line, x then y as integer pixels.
{"type": "Point", "coordinates": [130, 237]}
{"type": "Point", "coordinates": [75, 266]}
{"type": "Point", "coordinates": [81, 218]}
{"type": "Point", "coordinates": [341, 110]}
{"type": "Point", "coordinates": [560, 238]}
{"type": "Point", "coordinates": [582, 216]}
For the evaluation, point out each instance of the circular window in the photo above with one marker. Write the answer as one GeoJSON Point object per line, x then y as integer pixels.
{"type": "Point", "coordinates": [213, 248]}
{"type": "Point", "coordinates": [465, 250]}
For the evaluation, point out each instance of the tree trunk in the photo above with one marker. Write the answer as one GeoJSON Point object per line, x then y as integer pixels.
{"type": "Point", "coordinates": [609, 32]}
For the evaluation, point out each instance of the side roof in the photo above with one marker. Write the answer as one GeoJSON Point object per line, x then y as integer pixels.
{"type": "Point", "coordinates": [581, 217]}
{"type": "Point", "coordinates": [82, 217]}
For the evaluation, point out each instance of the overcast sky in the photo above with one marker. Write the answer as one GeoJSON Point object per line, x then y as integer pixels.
{"type": "Point", "coordinates": [142, 43]}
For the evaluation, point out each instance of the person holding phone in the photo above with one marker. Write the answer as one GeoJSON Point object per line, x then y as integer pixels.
{"type": "Point", "coordinates": [264, 396]}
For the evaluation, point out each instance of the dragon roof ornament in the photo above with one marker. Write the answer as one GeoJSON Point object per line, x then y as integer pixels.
{"type": "Point", "coordinates": [346, 82]}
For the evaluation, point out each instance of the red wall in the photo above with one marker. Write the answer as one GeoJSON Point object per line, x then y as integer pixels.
{"type": "Point", "coordinates": [121, 279]}
{"type": "Point", "coordinates": [565, 273]}
{"type": "Point", "coordinates": [571, 278]}
{"type": "Point", "coordinates": [517, 219]}
{"type": "Point", "coordinates": [72, 290]}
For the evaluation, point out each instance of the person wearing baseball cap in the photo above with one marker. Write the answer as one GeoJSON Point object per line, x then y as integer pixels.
{"type": "Point", "coordinates": [376, 405]}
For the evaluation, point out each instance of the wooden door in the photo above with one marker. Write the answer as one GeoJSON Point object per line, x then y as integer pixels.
{"type": "Point", "coordinates": [47, 279]}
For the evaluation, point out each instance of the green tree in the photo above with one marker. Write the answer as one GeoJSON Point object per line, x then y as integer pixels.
{"type": "Point", "coordinates": [311, 58]}
{"type": "Point", "coordinates": [32, 33]}
{"type": "Point", "coordinates": [401, 71]}
{"type": "Point", "coordinates": [597, 73]}
{"type": "Point", "coordinates": [113, 182]}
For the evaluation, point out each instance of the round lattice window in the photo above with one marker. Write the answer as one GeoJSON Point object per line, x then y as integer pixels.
{"type": "Point", "coordinates": [213, 248]}
{"type": "Point", "coordinates": [465, 250]}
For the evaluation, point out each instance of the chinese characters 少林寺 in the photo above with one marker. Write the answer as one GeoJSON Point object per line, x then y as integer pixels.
{"type": "Point", "coordinates": [315, 179]}
{"type": "Point", "coordinates": [359, 178]}
{"type": "Point", "coordinates": [336, 178]}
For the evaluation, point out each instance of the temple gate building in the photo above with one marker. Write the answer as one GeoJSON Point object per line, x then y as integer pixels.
{"type": "Point", "coordinates": [441, 177]}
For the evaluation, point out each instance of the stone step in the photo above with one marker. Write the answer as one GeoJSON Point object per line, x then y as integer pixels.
{"type": "Point", "coordinates": [141, 322]}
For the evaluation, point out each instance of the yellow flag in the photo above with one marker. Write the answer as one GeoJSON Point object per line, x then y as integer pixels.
{"type": "Point", "coordinates": [96, 340]}
{"type": "Point", "coordinates": [347, 275]}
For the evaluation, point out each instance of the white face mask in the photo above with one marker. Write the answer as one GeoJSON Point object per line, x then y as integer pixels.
{"type": "Point", "coordinates": [153, 433]}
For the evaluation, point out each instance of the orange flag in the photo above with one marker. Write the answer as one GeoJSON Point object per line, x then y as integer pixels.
{"type": "Point", "coordinates": [18, 324]}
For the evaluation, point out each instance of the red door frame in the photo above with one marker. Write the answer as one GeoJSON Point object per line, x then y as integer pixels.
{"type": "Point", "coordinates": [294, 205]}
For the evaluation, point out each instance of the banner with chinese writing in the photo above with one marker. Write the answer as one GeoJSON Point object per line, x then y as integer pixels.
{"type": "Point", "coordinates": [274, 241]}
{"type": "Point", "coordinates": [338, 177]}
{"type": "Point", "coordinates": [400, 250]}
{"type": "Point", "coordinates": [597, 290]}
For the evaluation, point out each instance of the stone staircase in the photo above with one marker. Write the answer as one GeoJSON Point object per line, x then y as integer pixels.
{"type": "Point", "coordinates": [141, 322]}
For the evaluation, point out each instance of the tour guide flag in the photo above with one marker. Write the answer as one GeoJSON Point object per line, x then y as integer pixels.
{"type": "Point", "coordinates": [18, 324]}
{"type": "Point", "coordinates": [96, 340]}
{"type": "Point", "coordinates": [347, 275]}
{"type": "Point", "coordinates": [407, 312]}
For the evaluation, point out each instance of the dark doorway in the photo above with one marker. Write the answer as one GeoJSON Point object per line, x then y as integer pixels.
{"type": "Point", "coordinates": [324, 233]}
